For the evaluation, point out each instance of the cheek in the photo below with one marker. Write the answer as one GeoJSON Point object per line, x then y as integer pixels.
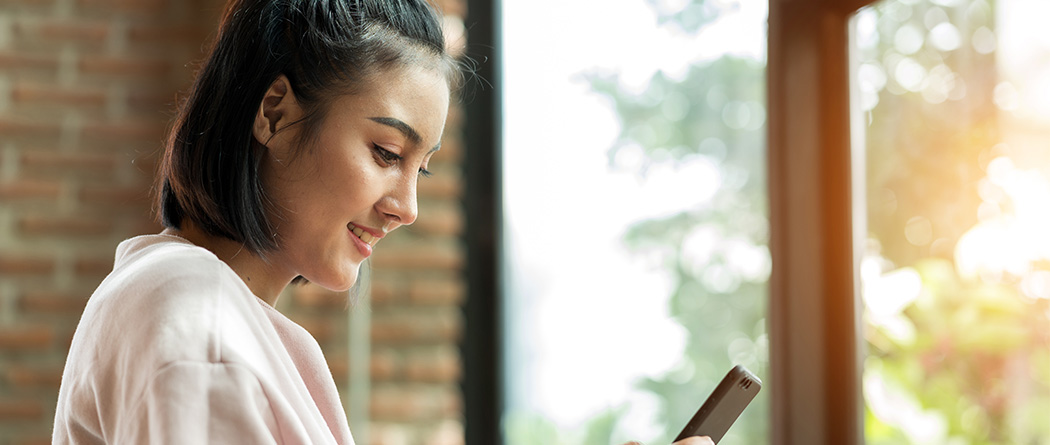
{"type": "Point", "coordinates": [300, 195]}
{"type": "Point", "coordinates": [343, 185]}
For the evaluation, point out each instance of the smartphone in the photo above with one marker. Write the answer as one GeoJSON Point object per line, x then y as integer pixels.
{"type": "Point", "coordinates": [723, 406]}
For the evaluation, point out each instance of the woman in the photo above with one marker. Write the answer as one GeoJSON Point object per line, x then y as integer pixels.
{"type": "Point", "coordinates": [297, 150]}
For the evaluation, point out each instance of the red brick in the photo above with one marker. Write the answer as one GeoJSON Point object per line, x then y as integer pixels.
{"type": "Point", "coordinates": [66, 31]}
{"type": "Point", "coordinates": [20, 410]}
{"type": "Point", "coordinates": [53, 302]}
{"type": "Point", "coordinates": [125, 67]}
{"type": "Point", "coordinates": [144, 167]}
{"type": "Point", "coordinates": [27, 92]}
{"type": "Point", "coordinates": [413, 405]}
{"type": "Point", "coordinates": [30, 2]}
{"type": "Point", "coordinates": [321, 329]}
{"type": "Point", "coordinates": [34, 61]}
{"type": "Point", "coordinates": [158, 33]}
{"type": "Point", "coordinates": [29, 189]}
{"type": "Point", "coordinates": [151, 100]}
{"type": "Point", "coordinates": [418, 256]}
{"type": "Point", "coordinates": [114, 196]}
{"type": "Point", "coordinates": [52, 163]}
{"type": "Point", "coordinates": [146, 225]}
{"type": "Point", "coordinates": [68, 226]}
{"type": "Point", "coordinates": [26, 337]}
{"type": "Point", "coordinates": [451, 404]}
{"type": "Point", "coordinates": [34, 377]}
{"type": "Point", "coordinates": [29, 440]}
{"type": "Point", "coordinates": [110, 6]}
{"type": "Point", "coordinates": [381, 433]}
{"type": "Point", "coordinates": [423, 328]}
{"type": "Point", "coordinates": [314, 296]}
{"type": "Point", "coordinates": [394, 404]}
{"type": "Point", "coordinates": [383, 292]}
{"type": "Point", "coordinates": [385, 364]}
{"type": "Point", "coordinates": [339, 365]}
{"type": "Point", "coordinates": [439, 221]}
{"type": "Point", "coordinates": [93, 267]}
{"type": "Point", "coordinates": [451, 150]}
{"type": "Point", "coordinates": [439, 365]}
{"type": "Point", "coordinates": [439, 292]}
{"type": "Point", "coordinates": [440, 186]}
{"type": "Point", "coordinates": [28, 127]}
{"type": "Point", "coordinates": [22, 265]}
{"type": "Point", "coordinates": [141, 130]}
{"type": "Point", "coordinates": [449, 432]}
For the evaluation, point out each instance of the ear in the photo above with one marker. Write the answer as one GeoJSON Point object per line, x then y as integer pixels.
{"type": "Point", "coordinates": [277, 110]}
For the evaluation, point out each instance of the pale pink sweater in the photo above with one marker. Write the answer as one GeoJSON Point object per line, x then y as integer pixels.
{"type": "Point", "coordinates": [173, 348]}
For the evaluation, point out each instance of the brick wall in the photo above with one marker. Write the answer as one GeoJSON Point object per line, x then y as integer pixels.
{"type": "Point", "coordinates": [87, 88]}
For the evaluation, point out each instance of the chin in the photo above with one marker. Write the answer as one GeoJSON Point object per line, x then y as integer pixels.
{"type": "Point", "coordinates": [340, 286]}
{"type": "Point", "coordinates": [340, 282]}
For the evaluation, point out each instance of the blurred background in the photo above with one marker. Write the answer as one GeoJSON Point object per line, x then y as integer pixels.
{"type": "Point", "coordinates": [592, 254]}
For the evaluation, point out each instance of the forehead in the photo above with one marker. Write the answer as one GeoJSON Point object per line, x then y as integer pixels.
{"type": "Point", "coordinates": [416, 96]}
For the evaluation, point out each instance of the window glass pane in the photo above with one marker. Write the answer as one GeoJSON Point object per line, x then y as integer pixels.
{"type": "Point", "coordinates": [635, 215]}
{"type": "Point", "coordinates": [955, 97]}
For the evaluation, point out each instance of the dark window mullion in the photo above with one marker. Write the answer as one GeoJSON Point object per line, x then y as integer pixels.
{"type": "Point", "coordinates": [481, 346]}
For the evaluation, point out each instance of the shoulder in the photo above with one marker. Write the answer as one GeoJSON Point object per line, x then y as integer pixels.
{"type": "Point", "coordinates": [146, 262]}
{"type": "Point", "coordinates": [167, 296]}
{"type": "Point", "coordinates": [165, 302]}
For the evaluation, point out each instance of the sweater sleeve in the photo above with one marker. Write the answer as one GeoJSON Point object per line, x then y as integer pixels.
{"type": "Point", "coordinates": [200, 402]}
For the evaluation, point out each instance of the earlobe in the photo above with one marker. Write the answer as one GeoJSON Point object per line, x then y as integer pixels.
{"type": "Point", "coordinates": [277, 109]}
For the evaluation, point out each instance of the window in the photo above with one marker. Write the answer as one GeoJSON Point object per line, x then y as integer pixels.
{"type": "Point", "coordinates": [830, 234]}
{"type": "Point", "coordinates": [634, 215]}
{"type": "Point", "coordinates": [955, 272]}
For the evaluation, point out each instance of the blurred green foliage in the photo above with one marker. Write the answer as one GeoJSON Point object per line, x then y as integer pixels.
{"type": "Point", "coordinates": [715, 113]}
{"type": "Point", "coordinates": [975, 370]}
{"type": "Point", "coordinates": [719, 301]}
{"type": "Point", "coordinates": [717, 251]}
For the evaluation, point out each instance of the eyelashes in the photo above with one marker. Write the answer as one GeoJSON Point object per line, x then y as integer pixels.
{"type": "Point", "coordinates": [389, 158]}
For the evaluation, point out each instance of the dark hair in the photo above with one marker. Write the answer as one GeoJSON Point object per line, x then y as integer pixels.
{"type": "Point", "coordinates": [210, 169]}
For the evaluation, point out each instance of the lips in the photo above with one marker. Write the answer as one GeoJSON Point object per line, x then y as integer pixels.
{"type": "Point", "coordinates": [365, 235]}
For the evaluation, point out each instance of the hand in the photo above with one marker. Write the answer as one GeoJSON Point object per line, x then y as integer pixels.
{"type": "Point", "coordinates": [695, 440]}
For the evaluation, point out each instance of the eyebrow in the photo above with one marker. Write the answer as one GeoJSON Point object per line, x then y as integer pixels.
{"type": "Point", "coordinates": [405, 129]}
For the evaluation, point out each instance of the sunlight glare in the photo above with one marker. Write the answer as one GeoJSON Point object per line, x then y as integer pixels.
{"type": "Point", "coordinates": [896, 406]}
{"type": "Point", "coordinates": [910, 74]}
{"type": "Point", "coordinates": [945, 37]}
{"type": "Point", "coordinates": [1008, 242]}
{"type": "Point", "coordinates": [887, 294]}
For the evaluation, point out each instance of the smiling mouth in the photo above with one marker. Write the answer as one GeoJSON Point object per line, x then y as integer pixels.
{"type": "Point", "coordinates": [365, 236]}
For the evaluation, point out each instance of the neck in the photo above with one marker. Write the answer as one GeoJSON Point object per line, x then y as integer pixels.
{"type": "Point", "coordinates": [262, 277]}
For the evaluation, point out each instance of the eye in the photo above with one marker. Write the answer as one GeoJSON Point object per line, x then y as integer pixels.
{"type": "Point", "coordinates": [425, 173]}
{"type": "Point", "coordinates": [386, 156]}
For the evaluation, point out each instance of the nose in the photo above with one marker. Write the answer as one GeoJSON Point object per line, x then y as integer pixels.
{"type": "Point", "coordinates": [399, 205]}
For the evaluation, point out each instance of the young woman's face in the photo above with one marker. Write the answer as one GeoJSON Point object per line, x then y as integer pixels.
{"type": "Point", "coordinates": [356, 181]}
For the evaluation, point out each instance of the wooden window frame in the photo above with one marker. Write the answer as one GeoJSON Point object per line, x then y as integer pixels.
{"type": "Point", "coordinates": [815, 226]}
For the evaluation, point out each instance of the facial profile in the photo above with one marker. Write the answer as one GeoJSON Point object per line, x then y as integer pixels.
{"type": "Point", "coordinates": [337, 195]}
